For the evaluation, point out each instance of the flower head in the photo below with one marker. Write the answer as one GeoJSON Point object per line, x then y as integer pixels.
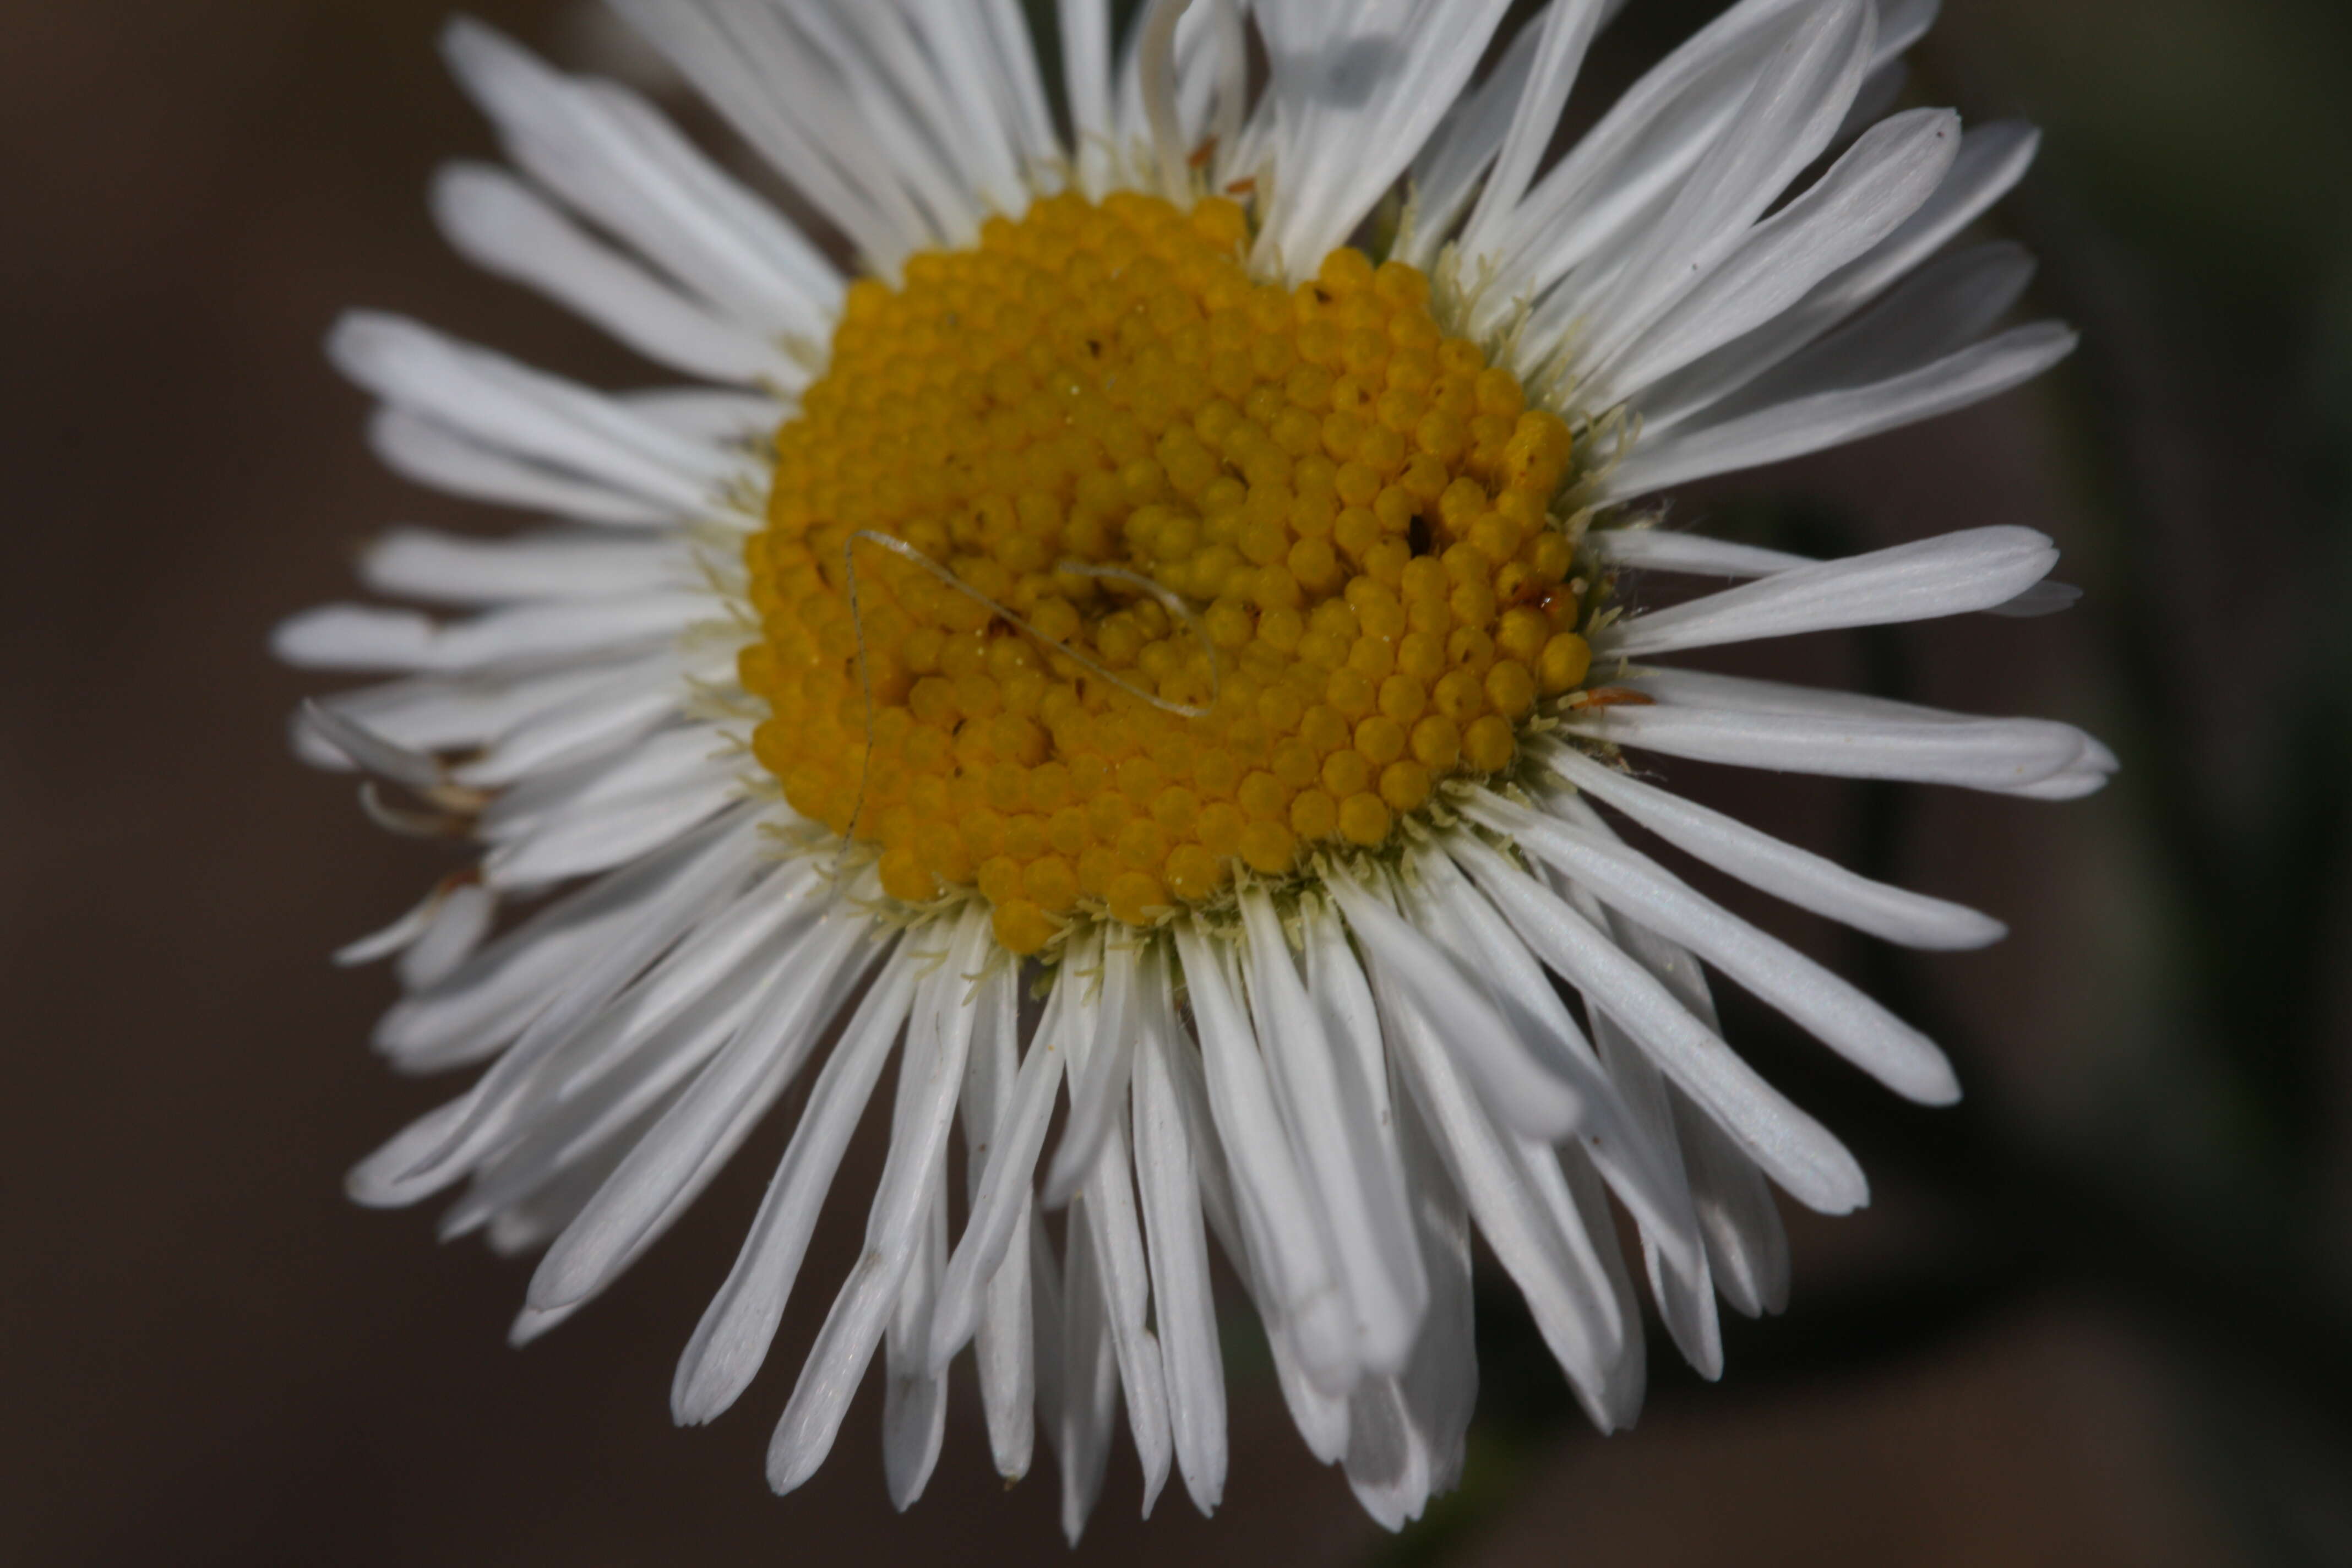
{"type": "Point", "coordinates": [1121, 643]}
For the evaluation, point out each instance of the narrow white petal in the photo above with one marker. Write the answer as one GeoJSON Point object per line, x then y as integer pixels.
{"type": "Point", "coordinates": [614, 831]}
{"type": "Point", "coordinates": [1833, 418]}
{"type": "Point", "coordinates": [1849, 739]}
{"type": "Point", "coordinates": [914, 1397]}
{"type": "Point", "coordinates": [1165, 1170]}
{"type": "Point", "coordinates": [1783, 125]}
{"type": "Point", "coordinates": [1479, 1156]}
{"type": "Point", "coordinates": [622, 709]}
{"type": "Point", "coordinates": [430, 453]}
{"type": "Point", "coordinates": [365, 637]}
{"type": "Point", "coordinates": [731, 1341]}
{"type": "Point", "coordinates": [1521, 1091]}
{"type": "Point", "coordinates": [651, 905]}
{"type": "Point", "coordinates": [1565, 33]}
{"type": "Point", "coordinates": [1356, 89]}
{"type": "Point", "coordinates": [1089, 1384]}
{"type": "Point", "coordinates": [1003, 1195]}
{"type": "Point", "coordinates": [397, 937]}
{"type": "Point", "coordinates": [1795, 1150]}
{"type": "Point", "coordinates": [753, 1070]}
{"type": "Point", "coordinates": [532, 415]}
{"type": "Point", "coordinates": [1747, 1250]}
{"type": "Point", "coordinates": [1950, 574]}
{"type": "Point", "coordinates": [455, 569]}
{"type": "Point", "coordinates": [1655, 549]}
{"type": "Point", "coordinates": [1098, 1088]}
{"type": "Point", "coordinates": [1991, 160]}
{"type": "Point", "coordinates": [1360, 1205]}
{"type": "Point", "coordinates": [1829, 1008]}
{"type": "Point", "coordinates": [1106, 1207]}
{"type": "Point", "coordinates": [1878, 185]}
{"type": "Point", "coordinates": [1406, 1435]}
{"type": "Point", "coordinates": [1640, 1165]}
{"type": "Point", "coordinates": [563, 959]}
{"type": "Point", "coordinates": [1300, 1278]}
{"type": "Point", "coordinates": [1446, 174]}
{"type": "Point", "coordinates": [611, 156]}
{"type": "Point", "coordinates": [836, 1362]}
{"type": "Point", "coordinates": [368, 749]}
{"type": "Point", "coordinates": [1005, 1342]}
{"type": "Point", "coordinates": [1801, 877]}
{"type": "Point", "coordinates": [457, 928]}
{"type": "Point", "coordinates": [498, 225]}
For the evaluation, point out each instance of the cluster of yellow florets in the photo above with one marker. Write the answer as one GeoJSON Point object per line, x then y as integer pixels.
{"type": "Point", "coordinates": [1350, 505]}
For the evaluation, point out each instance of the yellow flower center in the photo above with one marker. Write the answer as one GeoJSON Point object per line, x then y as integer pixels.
{"type": "Point", "coordinates": [1093, 415]}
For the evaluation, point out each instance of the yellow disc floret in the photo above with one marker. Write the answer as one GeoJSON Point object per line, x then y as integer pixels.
{"type": "Point", "coordinates": [1096, 570]}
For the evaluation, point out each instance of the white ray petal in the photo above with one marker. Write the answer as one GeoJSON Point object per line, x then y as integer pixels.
{"type": "Point", "coordinates": [1521, 1091]}
{"type": "Point", "coordinates": [1746, 724]}
{"type": "Point", "coordinates": [1641, 1168]}
{"type": "Point", "coordinates": [753, 1069]}
{"type": "Point", "coordinates": [1004, 1195]}
{"type": "Point", "coordinates": [1300, 1277]}
{"type": "Point", "coordinates": [1089, 1384]}
{"type": "Point", "coordinates": [365, 637]}
{"type": "Point", "coordinates": [1833, 418]}
{"type": "Point", "coordinates": [537, 1320]}
{"type": "Point", "coordinates": [1105, 1206]}
{"type": "Point", "coordinates": [769, 920]}
{"type": "Point", "coordinates": [1991, 160]}
{"type": "Point", "coordinates": [774, 97]}
{"type": "Point", "coordinates": [609, 832]}
{"type": "Point", "coordinates": [455, 928]}
{"type": "Point", "coordinates": [1446, 174]}
{"type": "Point", "coordinates": [1950, 574]}
{"type": "Point", "coordinates": [1165, 1168]}
{"type": "Point", "coordinates": [1406, 1435]}
{"type": "Point", "coordinates": [1799, 876]}
{"type": "Point", "coordinates": [1623, 169]}
{"type": "Point", "coordinates": [620, 710]}
{"type": "Point", "coordinates": [508, 405]}
{"type": "Point", "coordinates": [1747, 1247]}
{"type": "Point", "coordinates": [1099, 1089]}
{"type": "Point", "coordinates": [1360, 1208]}
{"type": "Point", "coordinates": [1783, 125]}
{"type": "Point", "coordinates": [530, 968]}
{"type": "Point", "coordinates": [1003, 1343]}
{"type": "Point", "coordinates": [1578, 1327]}
{"type": "Point", "coordinates": [553, 564]}
{"type": "Point", "coordinates": [499, 225]}
{"type": "Point", "coordinates": [837, 1362]}
{"type": "Point", "coordinates": [1356, 89]}
{"type": "Point", "coordinates": [1656, 550]}
{"type": "Point", "coordinates": [1795, 1150]}
{"type": "Point", "coordinates": [613, 157]}
{"type": "Point", "coordinates": [1878, 185]}
{"type": "Point", "coordinates": [914, 1397]}
{"type": "Point", "coordinates": [1680, 1279]}
{"type": "Point", "coordinates": [1828, 1008]}
{"type": "Point", "coordinates": [432, 454]}
{"type": "Point", "coordinates": [1562, 36]}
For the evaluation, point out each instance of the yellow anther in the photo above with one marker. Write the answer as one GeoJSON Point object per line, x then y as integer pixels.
{"type": "Point", "coordinates": [1563, 664]}
{"type": "Point", "coordinates": [1364, 818]}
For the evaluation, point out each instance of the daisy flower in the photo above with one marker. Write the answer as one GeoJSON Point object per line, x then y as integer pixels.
{"type": "Point", "coordinates": [1155, 638]}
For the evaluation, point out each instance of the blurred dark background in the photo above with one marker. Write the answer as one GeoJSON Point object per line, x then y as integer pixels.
{"type": "Point", "coordinates": [2100, 1314]}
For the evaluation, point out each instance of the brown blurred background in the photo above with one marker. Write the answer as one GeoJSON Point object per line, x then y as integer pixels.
{"type": "Point", "coordinates": [2102, 1313]}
